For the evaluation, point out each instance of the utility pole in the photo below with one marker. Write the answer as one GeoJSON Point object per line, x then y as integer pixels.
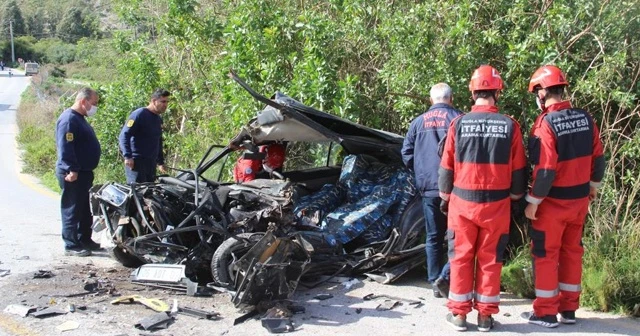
{"type": "Point", "coordinates": [13, 55]}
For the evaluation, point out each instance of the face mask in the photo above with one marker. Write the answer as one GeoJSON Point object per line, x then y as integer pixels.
{"type": "Point", "coordinates": [540, 103]}
{"type": "Point", "coordinates": [92, 111]}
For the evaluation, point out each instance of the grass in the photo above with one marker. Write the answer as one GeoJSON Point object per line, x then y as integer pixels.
{"type": "Point", "coordinates": [36, 117]}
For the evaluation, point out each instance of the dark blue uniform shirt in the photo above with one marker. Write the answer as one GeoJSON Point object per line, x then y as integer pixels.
{"type": "Point", "coordinates": [77, 145]}
{"type": "Point", "coordinates": [141, 136]}
{"type": "Point", "coordinates": [420, 148]}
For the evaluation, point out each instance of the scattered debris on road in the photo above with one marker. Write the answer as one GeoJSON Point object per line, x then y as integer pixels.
{"type": "Point", "coordinates": [153, 303]}
{"type": "Point", "coordinates": [20, 310]}
{"type": "Point", "coordinates": [69, 325]}
{"type": "Point", "coordinates": [199, 313]}
{"type": "Point", "coordinates": [323, 297]}
{"type": "Point", "coordinates": [388, 305]}
{"type": "Point", "coordinates": [42, 274]}
{"type": "Point", "coordinates": [155, 322]}
{"type": "Point", "coordinates": [47, 312]}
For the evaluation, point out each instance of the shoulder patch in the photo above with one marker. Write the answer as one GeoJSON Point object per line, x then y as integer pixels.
{"type": "Point", "coordinates": [69, 136]}
{"type": "Point", "coordinates": [130, 122]}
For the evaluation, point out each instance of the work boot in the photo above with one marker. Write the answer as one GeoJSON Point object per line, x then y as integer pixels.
{"type": "Point", "coordinates": [436, 292]}
{"type": "Point", "coordinates": [568, 317]}
{"type": "Point", "coordinates": [485, 322]}
{"type": "Point", "coordinates": [458, 322]}
{"type": "Point", "coordinates": [77, 252]}
{"type": "Point", "coordinates": [547, 321]}
{"type": "Point", "coordinates": [442, 285]}
{"type": "Point", "coordinates": [92, 246]}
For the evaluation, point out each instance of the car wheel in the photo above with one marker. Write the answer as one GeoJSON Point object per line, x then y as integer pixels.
{"type": "Point", "coordinates": [222, 269]}
{"type": "Point", "coordinates": [125, 258]}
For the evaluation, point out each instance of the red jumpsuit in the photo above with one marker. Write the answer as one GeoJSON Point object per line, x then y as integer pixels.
{"type": "Point", "coordinates": [567, 155]}
{"type": "Point", "coordinates": [482, 169]}
{"type": "Point", "coordinates": [246, 169]}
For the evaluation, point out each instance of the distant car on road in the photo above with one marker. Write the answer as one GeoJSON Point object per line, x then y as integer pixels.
{"type": "Point", "coordinates": [31, 69]}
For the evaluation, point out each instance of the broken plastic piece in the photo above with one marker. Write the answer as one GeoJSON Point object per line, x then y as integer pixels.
{"type": "Point", "coordinates": [372, 296]}
{"type": "Point", "coordinates": [155, 304]}
{"type": "Point", "coordinates": [199, 313]}
{"type": "Point", "coordinates": [48, 312]}
{"type": "Point", "coordinates": [155, 322]}
{"type": "Point", "coordinates": [277, 325]}
{"type": "Point", "coordinates": [42, 274]}
{"type": "Point", "coordinates": [350, 283]}
{"type": "Point", "coordinates": [69, 325]}
{"type": "Point", "coordinates": [388, 305]}
{"type": "Point", "coordinates": [20, 310]}
{"type": "Point", "coordinates": [323, 296]}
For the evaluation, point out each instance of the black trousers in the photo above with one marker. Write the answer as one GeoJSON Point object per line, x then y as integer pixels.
{"type": "Point", "coordinates": [74, 209]}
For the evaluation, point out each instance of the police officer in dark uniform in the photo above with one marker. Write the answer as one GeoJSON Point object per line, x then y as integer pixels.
{"type": "Point", "coordinates": [78, 155]}
{"type": "Point", "coordinates": [141, 140]}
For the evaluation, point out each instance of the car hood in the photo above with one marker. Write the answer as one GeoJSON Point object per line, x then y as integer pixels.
{"type": "Point", "coordinates": [286, 119]}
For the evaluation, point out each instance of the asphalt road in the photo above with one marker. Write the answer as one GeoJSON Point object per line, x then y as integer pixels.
{"type": "Point", "coordinates": [30, 240]}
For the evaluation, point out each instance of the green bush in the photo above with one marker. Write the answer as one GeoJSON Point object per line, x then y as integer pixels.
{"type": "Point", "coordinates": [517, 274]}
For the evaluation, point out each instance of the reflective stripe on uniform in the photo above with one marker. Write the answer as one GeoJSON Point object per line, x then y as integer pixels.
{"type": "Point", "coordinates": [460, 297]}
{"type": "Point", "coordinates": [488, 299]}
{"type": "Point", "coordinates": [541, 293]}
{"type": "Point", "coordinates": [569, 287]}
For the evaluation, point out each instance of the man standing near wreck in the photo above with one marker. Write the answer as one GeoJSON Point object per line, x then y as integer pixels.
{"type": "Point", "coordinates": [420, 154]}
{"type": "Point", "coordinates": [569, 164]}
{"type": "Point", "coordinates": [141, 140]}
{"type": "Point", "coordinates": [482, 169]}
{"type": "Point", "coordinates": [78, 152]}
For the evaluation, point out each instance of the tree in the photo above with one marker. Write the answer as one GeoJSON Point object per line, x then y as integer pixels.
{"type": "Point", "coordinates": [35, 23]}
{"type": "Point", "coordinates": [75, 25]}
{"type": "Point", "coordinates": [11, 13]}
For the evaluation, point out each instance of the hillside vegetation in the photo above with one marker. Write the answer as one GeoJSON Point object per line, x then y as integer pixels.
{"type": "Point", "coordinates": [373, 62]}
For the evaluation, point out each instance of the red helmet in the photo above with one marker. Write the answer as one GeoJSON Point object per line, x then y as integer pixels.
{"type": "Point", "coordinates": [485, 78]}
{"type": "Point", "coordinates": [547, 76]}
{"type": "Point", "coordinates": [275, 155]}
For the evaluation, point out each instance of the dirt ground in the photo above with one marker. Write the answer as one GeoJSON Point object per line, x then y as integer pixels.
{"type": "Point", "coordinates": [97, 316]}
{"type": "Point", "coordinates": [346, 313]}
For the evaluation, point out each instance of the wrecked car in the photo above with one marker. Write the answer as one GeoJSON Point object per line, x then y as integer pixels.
{"type": "Point", "coordinates": [343, 203]}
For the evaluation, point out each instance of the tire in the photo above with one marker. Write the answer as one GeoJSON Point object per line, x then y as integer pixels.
{"type": "Point", "coordinates": [412, 226]}
{"type": "Point", "coordinates": [125, 258]}
{"type": "Point", "coordinates": [236, 246]}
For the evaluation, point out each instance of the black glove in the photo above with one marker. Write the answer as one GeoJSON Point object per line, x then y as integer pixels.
{"type": "Point", "coordinates": [444, 207]}
{"type": "Point", "coordinates": [517, 208]}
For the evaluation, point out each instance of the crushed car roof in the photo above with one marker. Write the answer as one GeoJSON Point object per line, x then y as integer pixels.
{"type": "Point", "coordinates": [286, 119]}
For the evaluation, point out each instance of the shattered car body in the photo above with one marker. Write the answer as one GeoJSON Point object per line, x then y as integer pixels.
{"type": "Point", "coordinates": [355, 211]}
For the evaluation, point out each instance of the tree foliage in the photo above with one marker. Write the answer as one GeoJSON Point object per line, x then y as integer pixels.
{"type": "Point", "coordinates": [74, 25]}
{"type": "Point", "coordinates": [11, 13]}
{"type": "Point", "coordinates": [373, 62]}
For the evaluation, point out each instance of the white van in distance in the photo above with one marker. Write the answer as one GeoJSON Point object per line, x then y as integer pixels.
{"type": "Point", "coordinates": [30, 69]}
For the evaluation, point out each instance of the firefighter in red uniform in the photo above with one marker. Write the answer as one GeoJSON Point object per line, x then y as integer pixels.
{"type": "Point", "coordinates": [247, 170]}
{"type": "Point", "coordinates": [564, 141]}
{"type": "Point", "coordinates": [481, 171]}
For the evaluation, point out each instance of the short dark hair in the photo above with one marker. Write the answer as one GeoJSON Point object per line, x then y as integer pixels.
{"type": "Point", "coordinates": [159, 93]}
{"type": "Point", "coordinates": [557, 90]}
{"type": "Point", "coordinates": [485, 93]}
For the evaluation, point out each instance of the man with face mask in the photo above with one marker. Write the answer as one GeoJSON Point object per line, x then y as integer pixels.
{"type": "Point", "coordinates": [567, 156]}
{"type": "Point", "coordinates": [141, 140]}
{"type": "Point", "coordinates": [78, 155]}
